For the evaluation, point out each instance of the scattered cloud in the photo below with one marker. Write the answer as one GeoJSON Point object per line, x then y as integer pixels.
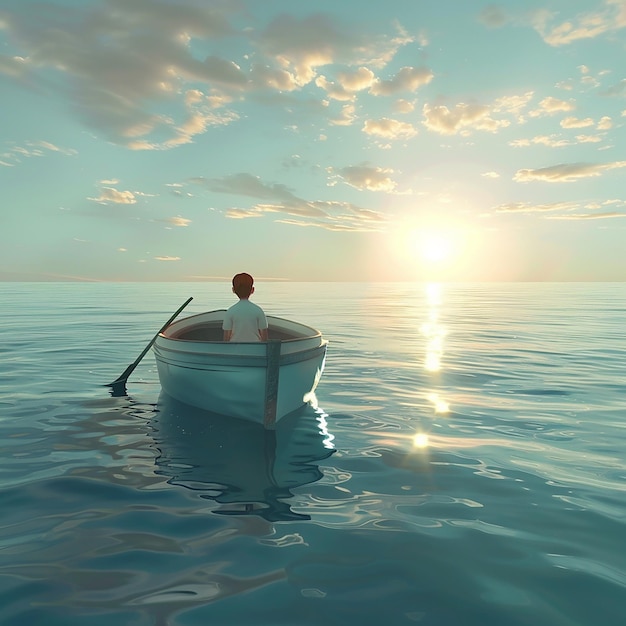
{"type": "Point", "coordinates": [167, 258]}
{"type": "Point", "coordinates": [302, 45]}
{"type": "Point", "coordinates": [13, 66]}
{"type": "Point", "coordinates": [461, 119]}
{"type": "Point", "coordinates": [491, 175]}
{"type": "Point", "coordinates": [574, 122]}
{"type": "Point", "coordinates": [587, 216]}
{"type": "Point", "coordinates": [357, 80]}
{"type": "Point", "coordinates": [566, 172]}
{"type": "Point", "coordinates": [347, 84]}
{"type": "Point", "coordinates": [404, 106]}
{"type": "Point", "coordinates": [528, 207]}
{"type": "Point", "coordinates": [278, 199]}
{"type": "Point", "coordinates": [407, 79]}
{"type": "Point", "coordinates": [366, 177]}
{"type": "Point", "coordinates": [15, 154]}
{"type": "Point", "coordinates": [110, 195]}
{"type": "Point", "coordinates": [555, 141]}
{"type": "Point", "coordinates": [566, 210]}
{"type": "Point", "coordinates": [551, 105]}
{"type": "Point", "coordinates": [493, 16]}
{"type": "Point", "coordinates": [346, 117]}
{"type": "Point", "coordinates": [389, 129]}
{"type": "Point", "coordinates": [177, 221]}
{"type": "Point", "coordinates": [610, 18]}
{"type": "Point", "coordinates": [162, 93]}
{"type": "Point", "coordinates": [152, 58]}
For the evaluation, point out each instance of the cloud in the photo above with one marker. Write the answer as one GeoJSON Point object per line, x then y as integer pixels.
{"type": "Point", "coordinates": [346, 117]}
{"type": "Point", "coordinates": [407, 79]}
{"type": "Point", "coordinates": [389, 129]}
{"type": "Point", "coordinates": [334, 90]}
{"type": "Point", "coordinates": [239, 214]}
{"type": "Point", "coordinates": [588, 138]}
{"type": "Point", "coordinates": [574, 122]}
{"type": "Point", "coordinates": [116, 63]}
{"type": "Point", "coordinates": [134, 73]}
{"type": "Point", "coordinates": [611, 18]}
{"type": "Point", "coordinates": [404, 106]}
{"type": "Point", "coordinates": [303, 45]}
{"type": "Point", "coordinates": [365, 177]}
{"type": "Point", "coordinates": [527, 207]}
{"type": "Point", "coordinates": [177, 221]}
{"type": "Point", "coordinates": [13, 66]}
{"type": "Point", "coordinates": [493, 16]}
{"type": "Point", "coordinates": [551, 105]}
{"type": "Point", "coordinates": [14, 154]}
{"type": "Point", "coordinates": [356, 80]}
{"type": "Point", "coordinates": [555, 141]}
{"type": "Point", "coordinates": [347, 84]}
{"type": "Point", "coordinates": [114, 196]}
{"type": "Point", "coordinates": [552, 141]}
{"type": "Point", "coordinates": [278, 199]}
{"type": "Point", "coordinates": [463, 118]}
{"type": "Point", "coordinates": [566, 172]}
{"type": "Point", "coordinates": [491, 175]}
{"type": "Point", "coordinates": [244, 184]}
{"type": "Point", "coordinates": [167, 259]}
{"type": "Point", "coordinates": [565, 210]}
{"type": "Point", "coordinates": [587, 216]}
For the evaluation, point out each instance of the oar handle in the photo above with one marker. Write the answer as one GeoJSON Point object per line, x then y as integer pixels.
{"type": "Point", "coordinates": [129, 370]}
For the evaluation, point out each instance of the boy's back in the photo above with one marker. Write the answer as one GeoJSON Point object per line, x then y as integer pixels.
{"type": "Point", "coordinates": [245, 319]}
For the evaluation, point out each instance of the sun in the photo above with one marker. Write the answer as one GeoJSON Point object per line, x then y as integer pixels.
{"type": "Point", "coordinates": [435, 247]}
{"type": "Point", "coordinates": [431, 247]}
{"type": "Point", "coordinates": [431, 250]}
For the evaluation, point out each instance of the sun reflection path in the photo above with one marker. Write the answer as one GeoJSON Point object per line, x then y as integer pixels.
{"type": "Point", "coordinates": [432, 329]}
{"type": "Point", "coordinates": [434, 333]}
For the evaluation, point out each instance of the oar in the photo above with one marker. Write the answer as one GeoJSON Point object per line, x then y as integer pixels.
{"type": "Point", "coordinates": [119, 384]}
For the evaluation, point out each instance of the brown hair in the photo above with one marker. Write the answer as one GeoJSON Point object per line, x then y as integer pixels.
{"type": "Point", "coordinates": [242, 285]}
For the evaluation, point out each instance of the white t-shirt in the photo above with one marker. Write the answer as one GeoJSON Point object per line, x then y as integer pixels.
{"type": "Point", "coordinates": [245, 319]}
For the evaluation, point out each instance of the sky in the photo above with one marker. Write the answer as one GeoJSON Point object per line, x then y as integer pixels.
{"type": "Point", "coordinates": [405, 140]}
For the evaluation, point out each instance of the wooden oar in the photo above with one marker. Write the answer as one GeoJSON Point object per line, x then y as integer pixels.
{"type": "Point", "coordinates": [119, 384]}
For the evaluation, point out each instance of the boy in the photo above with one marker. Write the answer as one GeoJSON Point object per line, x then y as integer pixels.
{"type": "Point", "coordinates": [244, 321]}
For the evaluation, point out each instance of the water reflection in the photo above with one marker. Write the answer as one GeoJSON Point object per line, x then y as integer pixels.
{"type": "Point", "coordinates": [242, 466]}
{"type": "Point", "coordinates": [434, 332]}
{"type": "Point", "coordinates": [432, 329]}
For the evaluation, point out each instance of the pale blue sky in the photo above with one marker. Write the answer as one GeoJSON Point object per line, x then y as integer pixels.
{"type": "Point", "coordinates": [344, 140]}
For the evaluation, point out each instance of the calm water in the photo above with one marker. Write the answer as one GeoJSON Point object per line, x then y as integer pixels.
{"type": "Point", "coordinates": [465, 464]}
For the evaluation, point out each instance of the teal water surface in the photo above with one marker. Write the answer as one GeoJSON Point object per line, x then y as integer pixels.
{"type": "Point", "coordinates": [464, 464]}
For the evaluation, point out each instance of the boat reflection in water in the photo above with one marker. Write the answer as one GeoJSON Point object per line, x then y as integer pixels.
{"type": "Point", "coordinates": [244, 467]}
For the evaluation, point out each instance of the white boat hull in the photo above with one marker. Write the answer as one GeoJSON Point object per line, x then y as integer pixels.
{"type": "Point", "coordinates": [258, 381]}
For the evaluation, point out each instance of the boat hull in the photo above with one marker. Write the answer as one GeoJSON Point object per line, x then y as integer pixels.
{"type": "Point", "coordinates": [246, 380]}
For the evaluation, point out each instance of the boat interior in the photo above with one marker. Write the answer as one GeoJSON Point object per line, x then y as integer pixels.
{"type": "Point", "coordinates": [212, 331]}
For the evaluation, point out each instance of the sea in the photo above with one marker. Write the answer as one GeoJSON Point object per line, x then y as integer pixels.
{"type": "Point", "coordinates": [463, 462]}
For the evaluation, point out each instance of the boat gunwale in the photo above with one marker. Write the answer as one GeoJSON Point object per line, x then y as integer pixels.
{"type": "Point", "coordinates": [237, 360]}
{"type": "Point", "coordinates": [163, 335]}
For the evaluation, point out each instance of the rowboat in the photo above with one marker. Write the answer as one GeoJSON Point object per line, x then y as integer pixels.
{"type": "Point", "coordinates": [260, 381]}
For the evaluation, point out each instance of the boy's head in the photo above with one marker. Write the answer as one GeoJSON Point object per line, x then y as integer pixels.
{"type": "Point", "coordinates": [243, 285]}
